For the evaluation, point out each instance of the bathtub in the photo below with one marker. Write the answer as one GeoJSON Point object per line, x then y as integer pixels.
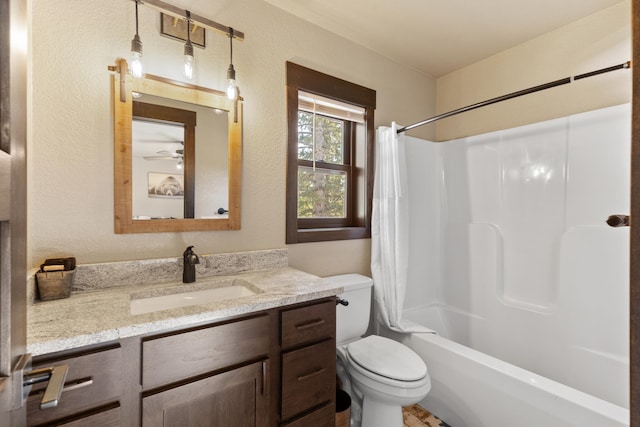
{"type": "Point", "coordinates": [512, 263]}
{"type": "Point", "coordinates": [473, 389]}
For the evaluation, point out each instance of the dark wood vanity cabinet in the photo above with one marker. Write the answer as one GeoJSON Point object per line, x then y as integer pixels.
{"type": "Point", "coordinates": [267, 369]}
{"type": "Point", "coordinates": [308, 340]}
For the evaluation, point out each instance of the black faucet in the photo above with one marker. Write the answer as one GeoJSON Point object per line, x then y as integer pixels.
{"type": "Point", "coordinates": [190, 261]}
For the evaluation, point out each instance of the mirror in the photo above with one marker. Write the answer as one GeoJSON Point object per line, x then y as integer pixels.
{"type": "Point", "coordinates": [173, 177]}
{"type": "Point", "coordinates": [177, 156]}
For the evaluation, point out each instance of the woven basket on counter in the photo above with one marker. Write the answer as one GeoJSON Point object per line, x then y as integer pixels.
{"type": "Point", "coordinates": [55, 284]}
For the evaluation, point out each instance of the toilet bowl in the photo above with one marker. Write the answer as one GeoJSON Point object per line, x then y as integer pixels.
{"type": "Point", "coordinates": [383, 375]}
{"type": "Point", "coordinates": [386, 376]}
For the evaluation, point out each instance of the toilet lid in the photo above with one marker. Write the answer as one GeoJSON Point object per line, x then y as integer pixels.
{"type": "Point", "coordinates": [388, 358]}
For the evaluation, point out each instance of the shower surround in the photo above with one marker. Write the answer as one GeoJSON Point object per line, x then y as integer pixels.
{"type": "Point", "coordinates": [510, 255]}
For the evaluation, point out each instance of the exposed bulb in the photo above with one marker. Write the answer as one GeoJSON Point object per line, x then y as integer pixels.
{"type": "Point", "coordinates": [188, 60]}
{"type": "Point", "coordinates": [135, 67]}
{"type": "Point", "coordinates": [188, 67]}
{"type": "Point", "coordinates": [232, 88]}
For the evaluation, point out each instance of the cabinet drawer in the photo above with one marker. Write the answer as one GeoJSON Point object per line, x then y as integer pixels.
{"type": "Point", "coordinates": [170, 358]}
{"type": "Point", "coordinates": [308, 324]}
{"type": "Point", "coordinates": [308, 378]}
{"type": "Point", "coordinates": [323, 417]}
{"type": "Point", "coordinates": [93, 379]}
{"type": "Point", "coordinates": [108, 418]}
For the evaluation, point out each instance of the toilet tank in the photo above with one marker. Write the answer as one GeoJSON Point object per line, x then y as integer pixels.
{"type": "Point", "coordinates": [352, 321]}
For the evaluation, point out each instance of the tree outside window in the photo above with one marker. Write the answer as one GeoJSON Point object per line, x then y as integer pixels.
{"type": "Point", "coordinates": [322, 191]}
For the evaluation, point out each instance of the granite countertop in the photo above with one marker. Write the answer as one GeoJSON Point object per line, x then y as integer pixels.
{"type": "Point", "coordinates": [104, 314]}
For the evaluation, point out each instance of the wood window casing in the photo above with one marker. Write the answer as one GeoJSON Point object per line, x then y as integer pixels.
{"type": "Point", "coordinates": [357, 223]}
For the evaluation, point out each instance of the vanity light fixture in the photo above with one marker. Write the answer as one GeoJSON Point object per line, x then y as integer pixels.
{"type": "Point", "coordinates": [136, 51]}
{"type": "Point", "coordinates": [193, 21]}
{"type": "Point", "coordinates": [232, 88]}
{"type": "Point", "coordinates": [188, 50]}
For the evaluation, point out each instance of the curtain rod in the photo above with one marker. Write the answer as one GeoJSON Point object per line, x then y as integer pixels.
{"type": "Point", "coordinates": [515, 95]}
{"type": "Point", "coordinates": [176, 12]}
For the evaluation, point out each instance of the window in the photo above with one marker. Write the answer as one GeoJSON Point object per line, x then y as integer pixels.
{"type": "Point", "coordinates": [330, 157]}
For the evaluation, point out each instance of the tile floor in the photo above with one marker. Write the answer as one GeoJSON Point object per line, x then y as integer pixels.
{"type": "Point", "coordinates": [417, 416]}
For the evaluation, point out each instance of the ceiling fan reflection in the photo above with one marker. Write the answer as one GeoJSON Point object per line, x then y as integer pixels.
{"type": "Point", "coordinates": [166, 155]}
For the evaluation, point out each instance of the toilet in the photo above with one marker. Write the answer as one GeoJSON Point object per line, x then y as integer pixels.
{"type": "Point", "coordinates": [381, 375]}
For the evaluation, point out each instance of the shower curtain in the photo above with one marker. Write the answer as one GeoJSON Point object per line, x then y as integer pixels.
{"type": "Point", "coordinates": [390, 230]}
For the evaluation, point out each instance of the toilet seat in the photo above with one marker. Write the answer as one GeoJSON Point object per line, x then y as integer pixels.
{"type": "Point", "coordinates": [387, 359]}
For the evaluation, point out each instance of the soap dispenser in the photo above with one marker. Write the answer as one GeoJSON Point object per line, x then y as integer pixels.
{"type": "Point", "coordinates": [190, 261]}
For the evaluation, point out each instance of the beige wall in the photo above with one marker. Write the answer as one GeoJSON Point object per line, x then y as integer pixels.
{"type": "Point", "coordinates": [598, 41]}
{"type": "Point", "coordinates": [70, 132]}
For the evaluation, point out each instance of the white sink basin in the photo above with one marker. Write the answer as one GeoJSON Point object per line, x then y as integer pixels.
{"type": "Point", "coordinates": [214, 292]}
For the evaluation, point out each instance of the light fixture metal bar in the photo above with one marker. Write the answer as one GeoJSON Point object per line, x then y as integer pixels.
{"type": "Point", "coordinates": [176, 12]}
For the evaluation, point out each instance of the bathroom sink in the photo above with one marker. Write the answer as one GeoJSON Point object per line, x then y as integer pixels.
{"type": "Point", "coordinates": [197, 294]}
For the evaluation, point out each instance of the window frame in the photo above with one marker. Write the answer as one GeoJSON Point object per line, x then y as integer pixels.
{"type": "Point", "coordinates": [357, 225]}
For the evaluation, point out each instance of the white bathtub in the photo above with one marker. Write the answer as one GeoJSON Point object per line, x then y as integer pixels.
{"type": "Point", "coordinates": [473, 389]}
{"type": "Point", "coordinates": [510, 260]}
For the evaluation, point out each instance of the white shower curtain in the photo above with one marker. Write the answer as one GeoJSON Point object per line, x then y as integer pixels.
{"type": "Point", "coordinates": [390, 230]}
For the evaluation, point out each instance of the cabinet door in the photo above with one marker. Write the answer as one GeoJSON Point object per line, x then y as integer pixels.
{"type": "Point", "coordinates": [236, 398]}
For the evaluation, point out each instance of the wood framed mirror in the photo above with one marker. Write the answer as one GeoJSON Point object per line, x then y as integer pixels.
{"type": "Point", "coordinates": [177, 156]}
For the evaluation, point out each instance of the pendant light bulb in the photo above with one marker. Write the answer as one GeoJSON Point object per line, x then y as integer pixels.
{"type": "Point", "coordinates": [136, 58]}
{"type": "Point", "coordinates": [188, 52]}
{"type": "Point", "coordinates": [136, 69]}
{"type": "Point", "coordinates": [232, 87]}
{"type": "Point", "coordinates": [188, 61]}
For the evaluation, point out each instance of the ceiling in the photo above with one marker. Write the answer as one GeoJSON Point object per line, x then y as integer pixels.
{"type": "Point", "coordinates": [156, 140]}
{"type": "Point", "coordinates": [441, 36]}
